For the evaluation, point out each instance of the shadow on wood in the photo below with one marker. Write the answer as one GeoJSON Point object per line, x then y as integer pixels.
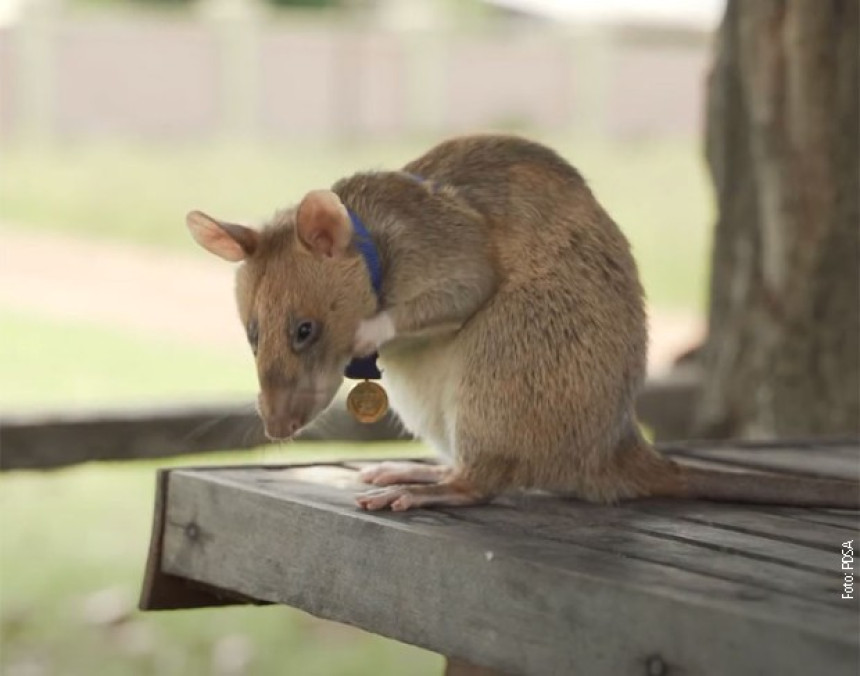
{"type": "Point", "coordinates": [457, 667]}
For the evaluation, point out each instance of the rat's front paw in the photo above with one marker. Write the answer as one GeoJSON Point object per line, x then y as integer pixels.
{"type": "Point", "coordinates": [388, 473]}
{"type": "Point", "coordinates": [397, 498]}
{"type": "Point", "coordinates": [372, 333]}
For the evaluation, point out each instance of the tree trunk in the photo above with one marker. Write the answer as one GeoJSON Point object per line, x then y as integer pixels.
{"type": "Point", "coordinates": [782, 353]}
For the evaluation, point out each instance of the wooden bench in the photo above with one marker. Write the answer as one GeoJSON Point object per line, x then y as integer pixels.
{"type": "Point", "coordinates": [530, 584]}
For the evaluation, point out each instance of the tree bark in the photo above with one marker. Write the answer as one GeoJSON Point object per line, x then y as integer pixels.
{"type": "Point", "coordinates": [783, 355]}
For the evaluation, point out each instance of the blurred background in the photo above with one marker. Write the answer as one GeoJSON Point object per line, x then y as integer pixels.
{"type": "Point", "coordinates": [119, 116]}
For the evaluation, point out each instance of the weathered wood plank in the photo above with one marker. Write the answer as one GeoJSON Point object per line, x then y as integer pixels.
{"type": "Point", "coordinates": [527, 600]}
{"type": "Point", "coordinates": [666, 404]}
{"type": "Point", "coordinates": [741, 519]}
{"type": "Point", "coordinates": [40, 441]}
{"type": "Point", "coordinates": [821, 517]}
{"type": "Point", "coordinates": [43, 440]}
{"type": "Point", "coordinates": [696, 548]}
{"type": "Point", "coordinates": [783, 566]}
{"type": "Point", "coordinates": [455, 667]}
{"type": "Point", "coordinates": [166, 592]}
{"type": "Point", "coordinates": [831, 445]}
{"type": "Point", "coordinates": [826, 460]}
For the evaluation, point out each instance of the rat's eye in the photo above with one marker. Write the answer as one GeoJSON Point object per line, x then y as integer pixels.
{"type": "Point", "coordinates": [253, 330]}
{"type": "Point", "coordinates": [305, 332]}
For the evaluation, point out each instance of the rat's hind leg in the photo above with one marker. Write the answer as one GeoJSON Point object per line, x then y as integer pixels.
{"type": "Point", "coordinates": [389, 472]}
{"type": "Point", "coordinates": [452, 492]}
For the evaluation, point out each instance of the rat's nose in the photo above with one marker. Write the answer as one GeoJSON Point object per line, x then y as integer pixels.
{"type": "Point", "coordinates": [284, 411]}
{"type": "Point", "coordinates": [281, 428]}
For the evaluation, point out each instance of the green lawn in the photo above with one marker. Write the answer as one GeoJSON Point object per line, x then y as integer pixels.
{"type": "Point", "coordinates": [657, 191]}
{"type": "Point", "coordinates": [63, 364]}
{"type": "Point", "coordinates": [69, 537]}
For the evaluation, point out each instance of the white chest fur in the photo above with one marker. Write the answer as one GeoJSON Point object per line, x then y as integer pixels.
{"type": "Point", "coordinates": [422, 377]}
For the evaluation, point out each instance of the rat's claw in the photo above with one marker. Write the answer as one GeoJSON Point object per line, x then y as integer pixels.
{"type": "Point", "coordinates": [372, 333]}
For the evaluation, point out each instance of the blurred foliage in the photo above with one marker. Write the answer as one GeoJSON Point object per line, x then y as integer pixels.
{"type": "Point", "coordinates": [658, 192]}
{"type": "Point", "coordinates": [309, 4]}
{"type": "Point", "coordinates": [178, 4]}
{"type": "Point", "coordinates": [136, 5]}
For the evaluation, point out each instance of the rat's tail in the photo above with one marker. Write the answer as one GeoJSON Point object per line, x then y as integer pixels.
{"type": "Point", "coordinates": [641, 471]}
{"type": "Point", "coordinates": [769, 488]}
{"type": "Point", "coordinates": [758, 488]}
{"type": "Point", "coordinates": [659, 476]}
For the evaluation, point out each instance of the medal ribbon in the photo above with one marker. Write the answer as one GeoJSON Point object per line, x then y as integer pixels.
{"type": "Point", "coordinates": [365, 368]}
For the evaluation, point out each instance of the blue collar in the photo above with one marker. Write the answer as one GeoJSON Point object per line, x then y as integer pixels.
{"type": "Point", "coordinates": [365, 368]}
{"type": "Point", "coordinates": [365, 245]}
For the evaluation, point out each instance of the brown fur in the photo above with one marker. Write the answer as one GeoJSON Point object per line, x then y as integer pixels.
{"type": "Point", "coordinates": [555, 353]}
{"type": "Point", "coordinates": [520, 324]}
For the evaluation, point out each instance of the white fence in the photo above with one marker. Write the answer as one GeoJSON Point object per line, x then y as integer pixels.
{"type": "Point", "coordinates": [69, 76]}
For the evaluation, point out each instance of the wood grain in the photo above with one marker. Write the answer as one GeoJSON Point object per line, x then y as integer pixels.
{"type": "Point", "coordinates": [531, 584]}
{"type": "Point", "coordinates": [41, 441]}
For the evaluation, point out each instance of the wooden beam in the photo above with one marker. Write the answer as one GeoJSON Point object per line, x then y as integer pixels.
{"type": "Point", "coordinates": [38, 441]}
{"type": "Point", "coordinates": [42, 440]}
{"type": "Point", "coordinates": [666, 405]}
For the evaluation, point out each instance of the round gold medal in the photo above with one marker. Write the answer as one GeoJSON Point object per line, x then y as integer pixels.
{"type": "Point", "coordinates": [367, 402]}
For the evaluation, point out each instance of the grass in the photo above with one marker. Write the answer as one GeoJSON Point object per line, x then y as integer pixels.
{"type": "Point", "coordinates": [75, 538]}
{"type": "Point", "coordinates": [49, 364]}
{"type": "Point", "coordinates": [657, 191]}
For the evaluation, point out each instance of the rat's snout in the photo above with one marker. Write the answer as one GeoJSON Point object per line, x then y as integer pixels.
{"type": "Point", "coordinates": [284, 411]}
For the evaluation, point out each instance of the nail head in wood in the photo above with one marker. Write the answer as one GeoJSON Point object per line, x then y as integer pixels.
{"type": "Point", "coordinates": [192, 531]}
{"type": "Point", "coordinates": [655, 666]}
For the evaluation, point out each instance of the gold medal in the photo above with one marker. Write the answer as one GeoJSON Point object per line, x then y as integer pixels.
{"type": "Point", "coordinates": [367, 402]}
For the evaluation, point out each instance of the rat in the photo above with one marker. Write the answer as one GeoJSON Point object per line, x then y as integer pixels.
{"type": "Point", "coordinates": [509, 323]}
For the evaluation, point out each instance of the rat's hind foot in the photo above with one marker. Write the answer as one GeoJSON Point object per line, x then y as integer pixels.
{"type": "Point", "coordinates": [388, 473]}
{"type": "Point", "coordinates": [451, 493]}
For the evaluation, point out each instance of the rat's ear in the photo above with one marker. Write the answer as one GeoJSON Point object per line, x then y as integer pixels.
{"type": "Point", "coordinates": [322, 223]}
{"type": "Point", "coordinates": [229, 241]}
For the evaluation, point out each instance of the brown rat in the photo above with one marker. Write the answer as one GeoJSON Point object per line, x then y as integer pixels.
{"type": "Point", "coordinates": [510, 327]}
